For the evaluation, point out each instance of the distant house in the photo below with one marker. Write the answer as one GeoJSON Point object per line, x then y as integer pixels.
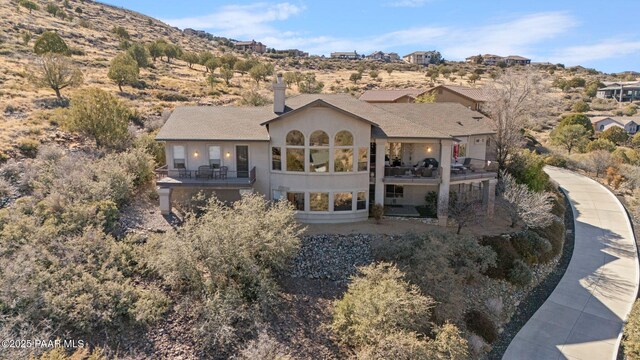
{"type": "Point", "coordinates": [631, 124]}
{"type": "Point", "coordinates": [517, 60]}
{"type": "Point", "coordinates": [422, 57]}
{"type": "Point", "coordinates": [621, 91]}
{"type": "Point", "coordinates": [253, 46]}
{"type": "Point", "coordinates": [349, 55]}
{"type": "Point", "coordinates": [292, 53]}
{"type": "Point", "coordinates": [391, 96]}
{"type": "Point", "coordinates": [491, 59]}
{"type": "Point", "coordinates": [383, 56]}
{"type": "Point", "coordinates": [471, 98]}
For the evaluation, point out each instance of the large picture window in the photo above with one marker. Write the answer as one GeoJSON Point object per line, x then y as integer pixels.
{"type": "Point", "coordinates": [319, 201]}
{"type": "Point", "coordinates": [319, 153]}
{"type": "Point", "coordinates": [214, 157]}
{"type": "Point", "coordinates": [295, 159]}
{"type": "Point", "coordinates": [178, 157]}
{"type": "Point", "coordinates": [343, 161]}
{"type": "Point", "coordinates": [343, 152]}
{"type": "Point", "coordinates": [276, 158]}
{"type": "Point", "coordinates": [342, 201]}
{"type": "Point", "coordinates": [297, 199]}
{"type": "Point", "coordinates": [295, 138]}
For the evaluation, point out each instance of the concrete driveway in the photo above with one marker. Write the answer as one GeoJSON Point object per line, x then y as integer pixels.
{"type": "Point", "coordinates": [583, 317]}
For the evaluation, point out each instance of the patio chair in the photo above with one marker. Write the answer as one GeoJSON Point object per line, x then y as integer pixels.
{"type": "Point", "coordinates": [467, 164]}
{"type": "Point", "coordinates": [204, 171]}
{"type": "Point", "coordinates": [223, 172]}
{"type": "Point", "coordinates": [182, 171]}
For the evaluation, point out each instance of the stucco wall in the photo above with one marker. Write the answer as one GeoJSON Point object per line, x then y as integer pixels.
{"type": "Point", "coordinates": [449, 96]}
{"type": "Point", "coordinates": [413, 195]}
{"type": "Point", "coordinates": [258, 157]}
{"type": "Point", "coordinates": [330, 121]}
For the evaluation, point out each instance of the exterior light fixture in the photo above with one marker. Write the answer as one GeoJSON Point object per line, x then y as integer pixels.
{"type": "Point", "coordinates": [228, 154]}
{"type": "Point", "coordinates": [195, 154]}
{"type": "Point", "coordinates": [429, 149]}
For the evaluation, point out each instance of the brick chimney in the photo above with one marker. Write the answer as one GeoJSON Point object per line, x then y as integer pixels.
{"type": "Point", "coordinates": [279, 88]}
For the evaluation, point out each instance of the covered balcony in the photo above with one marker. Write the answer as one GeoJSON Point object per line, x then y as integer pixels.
{"type": "Point", "coordinates": [205, 177]}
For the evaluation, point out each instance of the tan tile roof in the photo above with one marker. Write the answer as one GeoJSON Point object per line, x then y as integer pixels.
{"type": "Point", "coordinates": [439, 120]}
{"type": "Point", "coordinates": [216, 123]}
{"type": "Point", "coordinates": [389, 95]}
{"type": "Point", "coordinates": [450, 118]}
{"type": "Point", "coordinates": [475, 94]}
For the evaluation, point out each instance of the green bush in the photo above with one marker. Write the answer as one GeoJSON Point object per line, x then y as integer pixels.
{"type": "Point", "coordinates": [148, 143]}
{"type": "Point", "coordinates": [449, 260]}
{"type": "Point", "coordinates": [601, 144]}
{"type": "Point", "coordinates": [577, 119]}
{"type": "Point", "coordinates": [631, 339]}
{"type": "Point", "coordinates": [527, 168]}
{"type": "Point", "coordinates": [223, 261]}
{"type": "Point", "coordinates": [379, 303]}
{"type": "Point", "coordinates": [530, 246]}
{"type": "Point", "coordinates": [520, 273]}
{"type": "Point", "coordinates": [481, 324]}
{"type": "Point", "coordinates": [171, 96]}
{"type": "Point", "coordinates": [99, 115]}
{"type": "Point", "coordinates": [556, 160]}
{"type": "Point", "coordinates": [615, 134]}
{"type": "Point", "coordinates": [506, 255]}
{"type": "Point", "coordinates": [580, 107]}
{"type": "Point", "coordinates": [50, 42]}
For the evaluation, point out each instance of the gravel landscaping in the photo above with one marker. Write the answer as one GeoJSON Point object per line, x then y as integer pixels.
{"type": "Point", "coordinates": [332, 257]}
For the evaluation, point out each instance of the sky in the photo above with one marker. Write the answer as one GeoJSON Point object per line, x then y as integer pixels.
{"type": "Point", "coordinates": [593, 33]}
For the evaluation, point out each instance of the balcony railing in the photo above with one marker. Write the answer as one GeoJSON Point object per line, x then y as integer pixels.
{"type": "Point", "coordinates": [185, 177]}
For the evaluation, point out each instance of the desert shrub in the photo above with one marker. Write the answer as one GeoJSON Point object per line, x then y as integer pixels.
{"type": "Point", "coordinates": [580, 107]}
{"type": "Point", "coordinates": [630, 110]}
{"type": "Point", "coordinates": [399, 345]}
{"type": "Point", "coordinates": [439, 264]}
{"type": "Point", "coordinates": [530, 246]}
{"type": "Point", "coordinates": [495, 305]}
{"type": "Point", "coordinates": [99, 115]}
{"type": "Point", "coordinates": [379, 303]}
{"type": "Point", "coordinates": [223, 261]}
{"type": "Point", "coordinates": [121, 32]}
{"type": "Point", "coordinates": [615, 134]}
{"type": "Point", "coordinates": [554, 233]}
{"type": "Point", "coordinates": [577, 119]}
{"type": "Point", "coordinates": [30, 5]}
{"type": "Point", "coordinates": [377, 211]}
{"type": "Point", "coordinates": [28, 146]}
{"type": "Point", "coordinates": [506, 254]}
{"type": "Point", "coordinates": [477, 345]}
{"type": "Point", "coordinates": [631, 339]}
{"type": "Point", "coordinates": [264, 347]}
{"type": "Point", "coordinates": [556, 160]}
{"type": "Point", "coordinates": [171, 96]}
{"type": "Point", "coordinates": [601, 144]}
{"type": "Point", "coordinates": [527, 168]}
{"type": "Point", "coordinates": [148, 143]}
{"type": "Point", "coordinates": [253, 98]}
{"type": "Point", "coordinates": [613, 177]}
{"type": "Point", "coordinates": [603, 104]}
{"type": "Point", "coordinates": [50, 42]}
{"type": "Point", "coordinates": [431, 203]}
{"type": "Point", "coordinates": [481, 324]}
{"type": "Point", "coordinates": [140, 54]}
{"type": "Point", "coordinates": [520, 274]}
{"type": "Point", "coordinates": [522, 204]}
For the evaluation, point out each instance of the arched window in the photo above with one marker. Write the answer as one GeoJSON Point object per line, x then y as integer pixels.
{"type": "Point", "coordinates": [295, 151]}
{"type": "Point", "coordinates": [319, 138]}
{"type": "Point", "coordinates": [343, 152]}
{"type": "Point", "coordinates": [319, 151]}
{"type": "Point", "coordinates": [343, 138]}
{"type": "Point", "coordinates": [295, 138]}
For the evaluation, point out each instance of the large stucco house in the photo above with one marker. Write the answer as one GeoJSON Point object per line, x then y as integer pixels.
{"type": "Point", "coordinates": [472, 98]}
{"type": "Point", "coordinates": [332, 155]}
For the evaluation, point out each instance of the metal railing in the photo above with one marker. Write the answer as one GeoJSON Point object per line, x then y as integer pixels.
{"type": "Point", "coordinates": [178, 177]}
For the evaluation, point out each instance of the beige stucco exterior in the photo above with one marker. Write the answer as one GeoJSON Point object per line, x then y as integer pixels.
{"type": "Point", "coordinates": [446, 95]}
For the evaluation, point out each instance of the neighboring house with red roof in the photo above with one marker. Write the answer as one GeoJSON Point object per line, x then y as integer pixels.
{"type": "Point", "coordinates": [331, 155]}
{"type": "Point", "coordinates": [631, 124]}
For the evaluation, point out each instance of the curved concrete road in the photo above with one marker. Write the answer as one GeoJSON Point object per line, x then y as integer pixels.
{"type": "Point", "coordinates": [584, 315]}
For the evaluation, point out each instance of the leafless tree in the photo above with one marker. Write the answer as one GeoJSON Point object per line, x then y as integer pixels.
{"type": "Point", "coordinates": [465, 212]}
{"type": "Point", "coordinates": [532, 208]}
{"type": "Point", "coordinates": [517, 98]}
{"type": "Point", "coordinates": [55, 71]}
{"type": "Point", "coordinates": [599, 161]}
